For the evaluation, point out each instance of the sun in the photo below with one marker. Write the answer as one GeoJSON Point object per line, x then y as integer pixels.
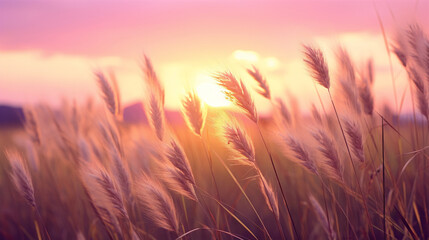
{"type": "Point", "coordinates": [212, 94]}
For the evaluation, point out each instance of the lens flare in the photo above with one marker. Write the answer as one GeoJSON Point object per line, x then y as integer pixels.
{"type": "Point", "coordinates": [212, 94]}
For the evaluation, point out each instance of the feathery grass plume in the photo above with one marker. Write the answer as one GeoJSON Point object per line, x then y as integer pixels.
{"type": "Point", "coordinates": [114, 80]}
{"type": "Point", "coordinates": [366, 98]}
{"type": "Point", "coordinates": [348, 91]}
{"type": "Point", "coordinates": [400, 48]}
{"type": "Point", "coordinates": [21, 176]}
{"type": "Point", "coordinates": [348, 95]}
{"type": "Point", "coordinates": [421, 92]}
{"type": "Point", "coordinates": [423, 104]}
{"type": "Point", "coordinates": [315, 113]}
{"type": "Point", "coordinates": [152, 80]}
{"type": "Point", "coordinates": [177, 182]}
{"type": "Point", "coordinates": [240, 143]}
{"type": "Point", "coordinates": [427, 60]}
{"type": "Point", "coordinates": [300, 153]}
{"type": "Point", "coordinates": [96, 200]}
{"type": "Point", "coordinates": [354, 135]}
{"type": "Point", "coordinates": [68, 142]}
{"type": "Point", "coordinates": [110, 134]}
{"type": "Point", "coordinates": [364, 88]}
{"type": "Point", "coordinates": [155, 114]}
{"type": "Point", "coordinates": [111, 193]}
{"type": "Point", "coordinates": [322, 216]}
{"type": "Point", "coordinates": [283, 111]}
{"type": "Point", "coordinates": [332, 165]}
{"type": "Point", "coordinates": [107, 92]}
{"type": "Point", "coordinates": [159, 204]}
{"type": "Point", "coordinates": [134, 235]}
{"type": "Point", "coordinates": [317, 65]}
{"type": "Point", "coordinates": [269, 196]}
{"type": "Point", "coordinates": [177, 157]}
{"type": "Point", "coordinates": [75, 118]}
{"type": "Point", "coordinates": [103, 192]}
{"type": "Point", "coordinates": [195, 112]}
{"type": "Point", "coordinates": [295, 110]}
{"type": "Point", "coordinates": [178, 174]}
{"type": "Point", "coordinates": [263, 89]}
{"type": "Point", "coordinates": [121, 173]}
{"type": "Point", "coordinates": [84, 150]}
{"type": "Point", "coordinates": [32, 155]}
{"type": "Point", "coordinates": [417, 80]}
{"type": "Point", "coordinates": [110, 220]}
{"type": "Point", "coordinates": [80, 236]}
{"type": "Point", "coordinates": [419, 45]}
{"type": "Point", "coordinates": [347, 69]}
{"type": "Point", "coordinates": [370, 70]}
{"type": "Point", "coordinates": [237, 92]}
{"type": "Point", "coordinates": [31, 124]}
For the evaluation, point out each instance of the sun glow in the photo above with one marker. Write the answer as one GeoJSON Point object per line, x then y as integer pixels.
{"type": "Point", "coordinates": [212, 94]}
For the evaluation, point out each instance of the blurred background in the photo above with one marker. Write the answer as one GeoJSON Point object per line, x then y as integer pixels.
{"type": "Point", "coordinates": [50, 49]}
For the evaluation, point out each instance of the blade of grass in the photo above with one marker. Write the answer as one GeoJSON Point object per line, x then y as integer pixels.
{"type": "Point", "coordinates": [279, 183]}
{"type": "Point", "coordinates": [406, 224]}
{"type": "Point", "coordinates": [244, 194]}
{"type": "Point", "coordinates": [353, 165]}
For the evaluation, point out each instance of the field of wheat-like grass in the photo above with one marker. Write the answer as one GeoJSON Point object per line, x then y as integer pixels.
{"type": "Point", "coordinates": [346, 170]}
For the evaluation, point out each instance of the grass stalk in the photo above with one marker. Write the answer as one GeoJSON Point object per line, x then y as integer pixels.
{"type": "Point", "coordinates": [210, 162]}
{"type": "Point", "coordinates": [279, 183]}
{"type": "Point", "coordinates": [384, 180]}
{"type": "Point", "coordinates": [353, 165]}
{"type": "Point", "coordinates": [245, 195]}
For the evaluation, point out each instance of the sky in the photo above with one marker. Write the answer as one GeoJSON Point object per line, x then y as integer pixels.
{"type": "Point", "coordinates": [50, 49]}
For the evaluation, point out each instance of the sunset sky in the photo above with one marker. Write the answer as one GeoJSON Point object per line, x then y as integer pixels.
{"type": "Point", "coordinates": [49, 50]}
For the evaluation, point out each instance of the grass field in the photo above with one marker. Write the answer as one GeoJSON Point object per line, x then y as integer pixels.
{"type": "Point", "coordinates": [348, 170]}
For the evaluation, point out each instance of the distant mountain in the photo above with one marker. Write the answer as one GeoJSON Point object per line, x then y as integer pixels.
{"type": "Point", "coordinates": [11, 116]}
{"type": "Point", "coordinates": [135, 113]}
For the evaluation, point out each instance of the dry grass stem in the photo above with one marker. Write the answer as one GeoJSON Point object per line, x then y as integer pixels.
{"type": "Point", "coordinates": [177, 158]}
{"type": "Point", "coordinates": [332, 165]}
{"type": "Point", "coordinates": [158, 203]}
{"type": "Point", "coordinates": [263, 89]}
{"type": "Point", "coordinates": [155, 114]}
{"type": "Point", "coordinates": [366, 98]}
{"type": "Point", "coordinates": [354, 135]}
{"type": "Point", "coordinates": [31, 125]}
{"type": "Point", "coordinates": [154, 84]}
{"type": "Point", "coordinates": [21, 176]}
{"type": "Point", "coordinates": [237, 92]}
{"type": "Point", "coordinates": [300, 153]}
{"type": "Point", "coordinates": [107, 93]}
{"type": "Point", "coordinates": [269, 196]}
{"type": "Point", "coordinates": [195, 112]}
{"type": "Point", "coordinates": [322, 217]}
{"type": "Point", "coordinates": [285, 116]}
{"type": "Point", "coordinates": [317, 65]}
{"type": "Point", "coordinates": [240, 143]}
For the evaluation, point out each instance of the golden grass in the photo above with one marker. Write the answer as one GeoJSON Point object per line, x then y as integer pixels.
{"type": "Point", "coordinates": [352, 171]}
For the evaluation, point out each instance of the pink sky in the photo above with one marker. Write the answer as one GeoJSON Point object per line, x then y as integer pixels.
{"type": "Point", "coordinates": [49, 49]}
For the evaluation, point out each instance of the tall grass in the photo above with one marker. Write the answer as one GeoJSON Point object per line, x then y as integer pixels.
{"type": "Point", "coordinates": [351, 171]}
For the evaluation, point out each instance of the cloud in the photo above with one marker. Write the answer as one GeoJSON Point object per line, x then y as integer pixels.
{"type": "Point", "coordinates": [246, 56]}
{"type": "Point", "coordinates": [271, 62]}
{"type": "Point", "coordinates": [30, 76]}
{"type": "Point", "coordinates": [48, 48]}
{"type": "Point", "coordinates": [127, 28]}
